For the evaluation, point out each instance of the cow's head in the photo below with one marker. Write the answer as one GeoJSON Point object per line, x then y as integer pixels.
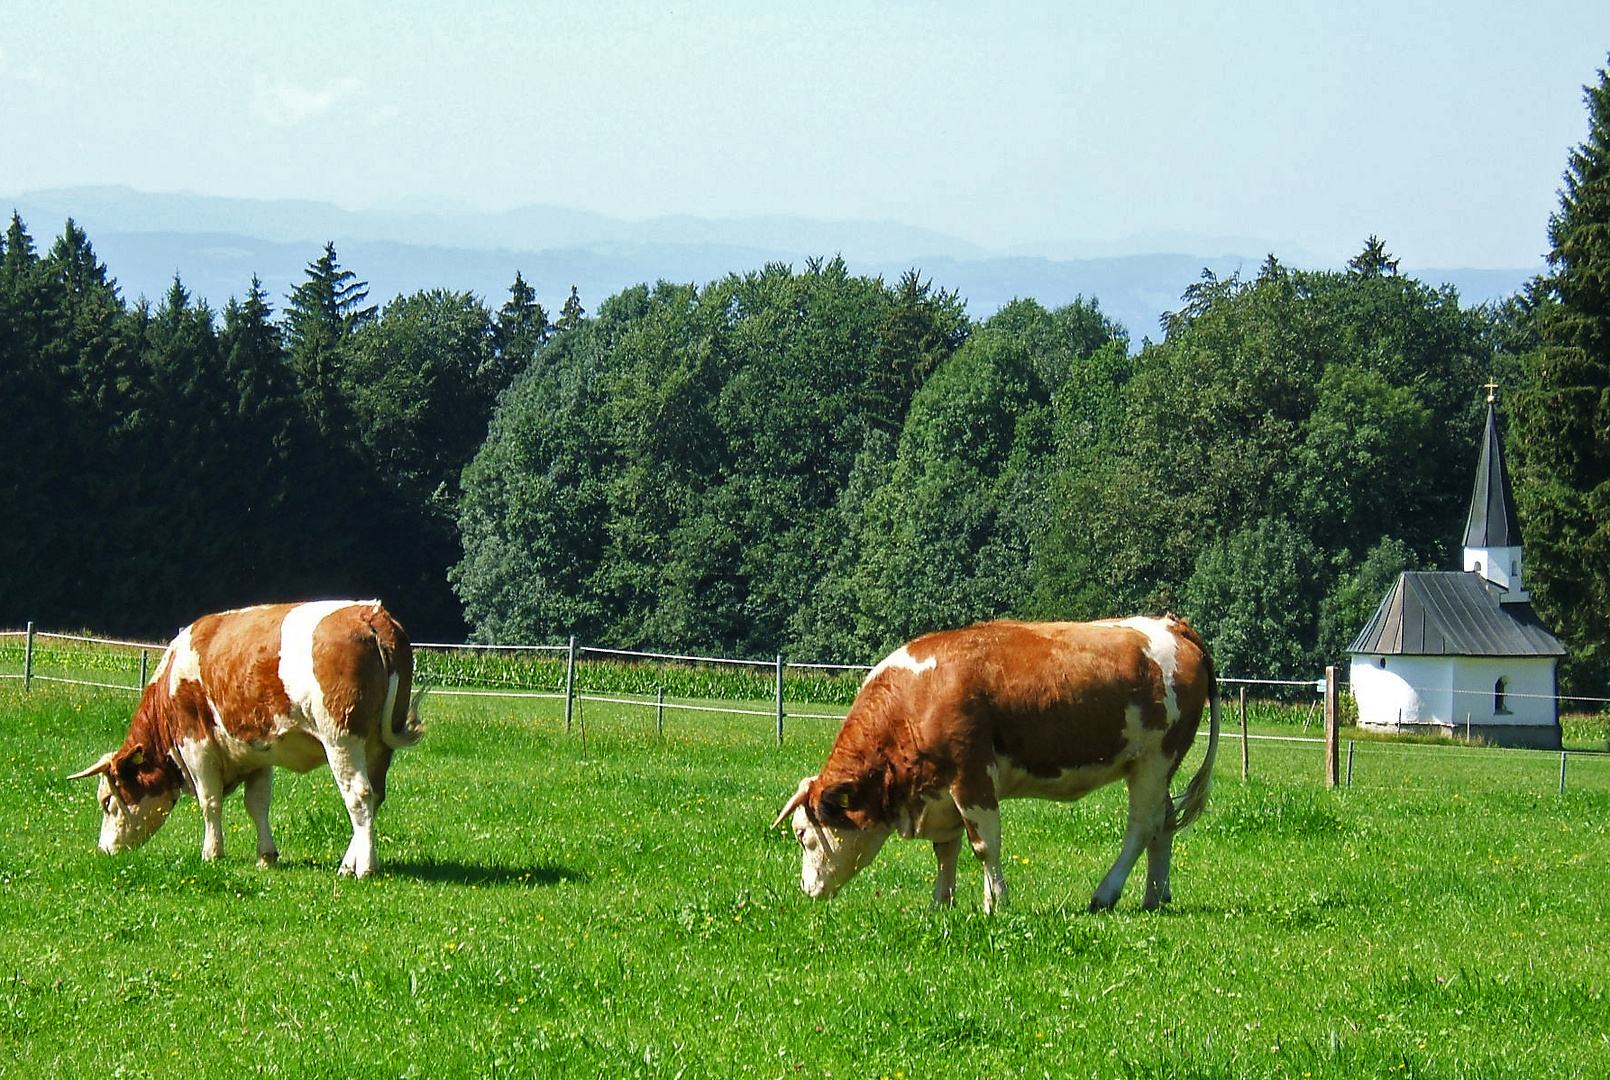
{"type": "Point", "coordinates": [836, 832]}
{"type": "Point", "coordinates": [135, 796]}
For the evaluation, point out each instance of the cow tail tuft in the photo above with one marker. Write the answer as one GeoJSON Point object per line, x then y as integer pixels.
{"type": "Point", "coordinates": [1193, 800]}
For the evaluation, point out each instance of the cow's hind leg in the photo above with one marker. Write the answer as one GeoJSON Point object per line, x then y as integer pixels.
{"type": "Point", "coordinates": [259, 793]}
{"type": "Point", "coordinates": [1159, 853]}
{"type": "Point", "coordinates": [348, 762]}
{"type": "Point", "coordinates": [1148, 816]}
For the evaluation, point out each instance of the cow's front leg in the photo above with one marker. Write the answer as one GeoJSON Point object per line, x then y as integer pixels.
{"type": "Point", "coordinates": [984, 834]}
{"type": "Point", "coordinates": [946, 852]}
{"type": "Point", "coordinates": [347, 764]}
{"type": "Point", "coordinates": [259, 793]}
{"type": "Point", "coordinates": [209, 787]}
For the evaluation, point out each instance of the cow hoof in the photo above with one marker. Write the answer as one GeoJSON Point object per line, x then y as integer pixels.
{"type": "Point", "coordinates": [268, 858]}
{"type": "Point", "coordinates": [1098, 905]}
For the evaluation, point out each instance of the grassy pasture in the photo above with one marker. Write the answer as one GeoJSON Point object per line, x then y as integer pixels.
{"type": "Point", "coordinates": [625, 910]}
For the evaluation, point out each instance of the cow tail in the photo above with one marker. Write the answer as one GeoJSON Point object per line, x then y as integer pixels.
{"type": "Point", "coordinates": [1193, 800]}
{"type": "Point", "coordinates": [400, 726]}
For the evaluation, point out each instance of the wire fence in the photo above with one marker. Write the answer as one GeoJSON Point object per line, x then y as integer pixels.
{"type": "Point", "coordinates": [140, 655]}
{"type": "Point", "coordinates": [636, 678]}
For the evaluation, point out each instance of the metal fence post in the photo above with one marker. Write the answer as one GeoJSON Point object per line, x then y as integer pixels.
{"type": "Point", "coordinates": [1332, 747]}
{"type": "Point", "coordinates": [570, 684]}
{"type": "Point", "coordinates": [1245, 764]}
{"type": "Point", "coordinates": [1349, 762]}
{"type": "Point", "coordinates": [659, 712]}
{"type": "Point", "coordinates": [1562, 772]}
{"type": "Point", "coordinates": [28, 658]}
{"type": "Point", "coordinates": [779, 699]}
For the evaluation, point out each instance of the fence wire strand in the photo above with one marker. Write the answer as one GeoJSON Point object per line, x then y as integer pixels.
{"type": "Point", "coordinates": [581, 695]}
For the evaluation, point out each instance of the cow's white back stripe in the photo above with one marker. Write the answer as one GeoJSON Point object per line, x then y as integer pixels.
{"type": "Point", "coordinates": [181, 662]}
{"type": "Point", "coordinates": [296, 653]}
{"type": "Point", "coordinates": [1161, 648]}
{"type": "Point", "coordinates": [900, 658]}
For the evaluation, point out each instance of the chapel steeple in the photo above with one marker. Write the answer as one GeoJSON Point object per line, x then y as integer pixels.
{"type": "Point", "coordinates": [1492, 532]}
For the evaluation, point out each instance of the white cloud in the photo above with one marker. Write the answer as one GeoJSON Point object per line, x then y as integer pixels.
{"type": "Point", "coordinates": [31, 75]}
{"type": "Point", "coordinates": [285, 104]}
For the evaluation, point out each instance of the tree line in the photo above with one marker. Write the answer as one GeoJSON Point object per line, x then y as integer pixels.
{"type": "Point", "coordinates": [803, 460]}
{"type": "Point", "coordinates": [161, 460]}
{"type": "Point", "coordinates": [829, 465]}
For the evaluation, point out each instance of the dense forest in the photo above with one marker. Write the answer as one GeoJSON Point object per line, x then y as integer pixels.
{"type": "Point", "coordinates": [801, 460]}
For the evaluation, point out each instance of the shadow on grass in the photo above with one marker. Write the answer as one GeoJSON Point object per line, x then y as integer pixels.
{"type": "Point", "coordinates": [463, 873]}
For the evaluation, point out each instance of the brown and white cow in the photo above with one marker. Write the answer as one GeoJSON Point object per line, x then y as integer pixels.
{"type": "Point", "coordinates": [240, 692]}
{"type": "Point", "coordinates": [953, 722]}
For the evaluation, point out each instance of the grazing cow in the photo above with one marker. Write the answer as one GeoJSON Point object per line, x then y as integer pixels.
{"type": "Point", "coordinates": [953, 722]}
{"type": "Point", "coordinates": [240, 692]}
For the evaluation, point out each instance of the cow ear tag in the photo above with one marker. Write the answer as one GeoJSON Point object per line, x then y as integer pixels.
{"type": "Point", "coordinates": [138, 757]}
{"type": "Point", "coordinates": [843, 799]}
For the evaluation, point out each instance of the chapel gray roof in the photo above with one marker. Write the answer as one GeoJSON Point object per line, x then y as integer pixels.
{"type": "Point", "coordinates": [1453, 613]}
{"type": "Point", "coordinates": [1491, 522]}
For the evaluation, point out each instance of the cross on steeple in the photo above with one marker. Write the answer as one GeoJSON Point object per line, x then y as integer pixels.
{"type": "Point", "coordinates": [1492, 389]}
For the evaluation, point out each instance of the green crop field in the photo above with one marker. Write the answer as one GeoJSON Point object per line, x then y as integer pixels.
{"type": "Point", "coordinates": [546, 907]}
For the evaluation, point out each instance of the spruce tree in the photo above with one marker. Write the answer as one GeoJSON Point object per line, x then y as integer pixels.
{"type": "Point", "coordinates": [1561, 431]}
{"type": "Point", "coordinates": [522, 327]}
{"type": "Point", "coordinates": [321, 316]}
{"type": "Point", "coordinates": [571, 314]}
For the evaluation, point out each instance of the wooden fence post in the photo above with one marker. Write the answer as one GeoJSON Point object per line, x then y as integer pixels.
{"type": "Point", "coordinates": [1245, 766]}
{"type": "Point", "coordinates": [570, 684]}
{"type": "Point", "coordinates": [779, 699]}
{"type": "Point", "coordinates": [28, 658]}
{"type": "Point", "coordinates": [1332, 746]}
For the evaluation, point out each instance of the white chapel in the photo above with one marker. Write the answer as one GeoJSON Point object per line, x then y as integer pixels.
{"type": "Point", "coordinates": [1463, 653]}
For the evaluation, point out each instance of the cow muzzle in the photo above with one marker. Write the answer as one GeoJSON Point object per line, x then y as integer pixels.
{"type": "Point", "coordinates": [125, 826]}
{"type": "Point", "coordinates": [833, 856]}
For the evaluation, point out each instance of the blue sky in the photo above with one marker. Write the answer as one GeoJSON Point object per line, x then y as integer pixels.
{"type": "Point", "coordinates": [1049, 128]}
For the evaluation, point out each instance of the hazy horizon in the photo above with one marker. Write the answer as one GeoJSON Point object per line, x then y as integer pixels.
{"type": "Point", "coordinates": [1022, 129]}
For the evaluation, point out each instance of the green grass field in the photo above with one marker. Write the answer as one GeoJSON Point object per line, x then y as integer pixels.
{"type": "Point", "coordinates": [625, 910]}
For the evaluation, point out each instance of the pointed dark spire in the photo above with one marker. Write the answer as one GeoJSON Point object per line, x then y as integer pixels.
{"type": "Point", "coordinates": [1492, 522]}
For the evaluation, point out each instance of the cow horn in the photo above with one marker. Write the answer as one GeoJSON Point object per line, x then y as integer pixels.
{"type": "Point", "coordinates": [102, 766]}
{"type": "Point", "coordinates": [797, 799]}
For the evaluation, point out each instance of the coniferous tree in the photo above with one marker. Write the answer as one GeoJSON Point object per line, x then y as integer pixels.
{"type": "Point", "coordinates": [322, 315]}
{"type": "Point", "coordinates": [522, 328]}
{"type": "Point", "coordinates": [571, 314]}
{"type": "Point", "coordinates": [20, 257]}
{"type": "Point", "coordinates": [24, 487]}
{"type": "Point", "coordinates": [269, 433]}
{"type": "Point", "coordinates": [1560, 438]}
{"type": "Point", "coordinates": [86, 353]}
{"type": "Point", "coordinates": [172, 461]}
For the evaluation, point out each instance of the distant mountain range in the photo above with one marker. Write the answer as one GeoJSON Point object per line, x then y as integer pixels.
{"type": "Point", "coordinates": [215, 245]}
